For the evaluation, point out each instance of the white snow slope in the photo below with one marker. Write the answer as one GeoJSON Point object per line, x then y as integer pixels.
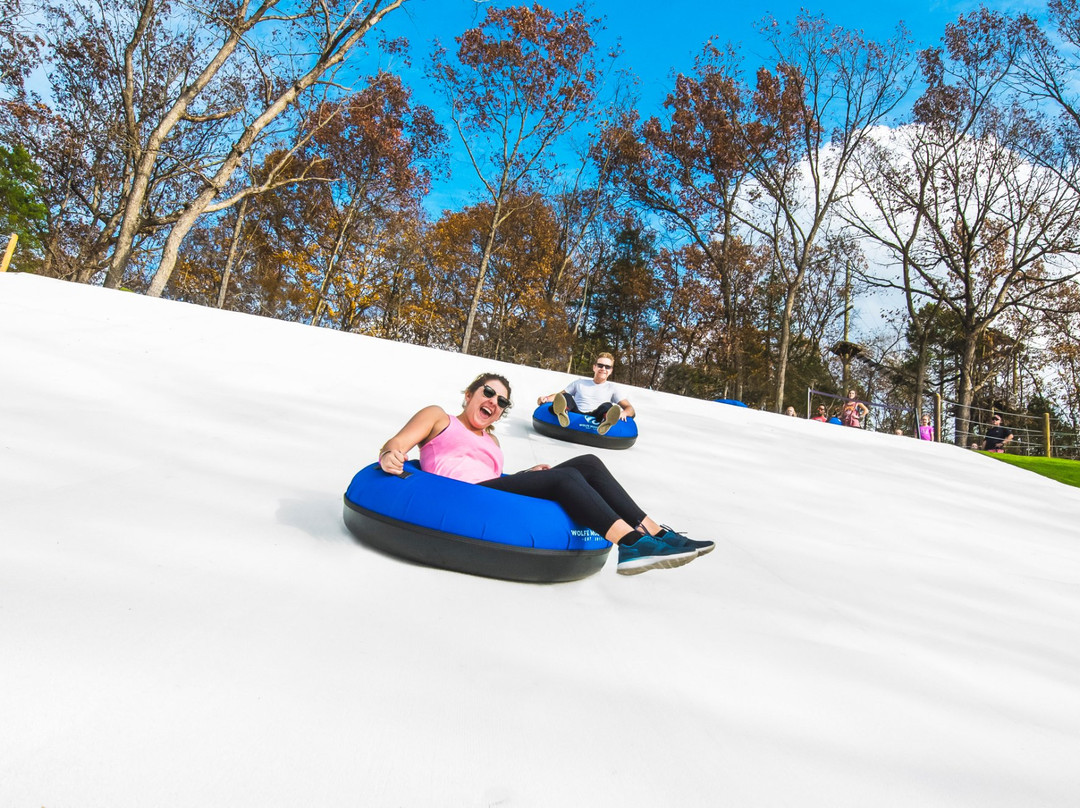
{"type": "Point", "coordinates": [185, 621]}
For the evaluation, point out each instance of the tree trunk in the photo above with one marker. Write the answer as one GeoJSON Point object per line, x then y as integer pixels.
{"type": "Point", "coordinates": [967, 389]}
{"type": "Point", "coordinates": [234, 249]}
{"type": "Point", "coordinates": [332, 261]}
{"type": "Point", "coordinates": [485, 259]}
{"type": "Point", "coordinates": [784, 348]}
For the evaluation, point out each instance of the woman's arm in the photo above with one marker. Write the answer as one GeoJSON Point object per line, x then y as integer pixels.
{"type": "Point", "coordinates": [422, 427]}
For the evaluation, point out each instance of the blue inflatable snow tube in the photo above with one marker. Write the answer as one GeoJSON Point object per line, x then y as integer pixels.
{"type": "Point", "coordinates": [445, 523]}
{"type": "Point", "coordinates": [732, 401]}
{"type": "Point", "coordinates": [583, 429]}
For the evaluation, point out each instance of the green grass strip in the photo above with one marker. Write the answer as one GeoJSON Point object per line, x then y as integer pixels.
{"type": "Point", "coordinates": [1056, 468]}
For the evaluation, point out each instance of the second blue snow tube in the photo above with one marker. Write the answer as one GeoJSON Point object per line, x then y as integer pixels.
{"type": "Point", "coordinates": [583, 429]}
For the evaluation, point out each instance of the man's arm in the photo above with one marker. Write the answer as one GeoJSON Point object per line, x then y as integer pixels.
{"type": "Point", "coordinates": [548, 399]}
{"type": "Point", "coordinates": [628, 410]}
{"type": "Point", "coordinates": [568, 391]}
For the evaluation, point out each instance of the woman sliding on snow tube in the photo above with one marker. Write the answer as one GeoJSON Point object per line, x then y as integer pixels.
{"type": "Point", "coordinates": [463, 447]}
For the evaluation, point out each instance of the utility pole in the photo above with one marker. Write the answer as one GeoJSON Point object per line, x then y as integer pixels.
{"type": "Point", "coordinates": [846, 349]}
{"type": "Point", "coordinates": [846, 356]}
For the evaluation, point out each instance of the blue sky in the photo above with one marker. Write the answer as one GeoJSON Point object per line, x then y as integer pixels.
{"type": "Point", "coordinates": [657, 40]}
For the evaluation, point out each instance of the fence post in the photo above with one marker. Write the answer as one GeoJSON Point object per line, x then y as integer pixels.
{"type": "Point", "coordinates": [12, 241]}
{"type": "Point", "coordinates": [1046, 432]}
{"type": "Point", "coordinates": [937, 416]}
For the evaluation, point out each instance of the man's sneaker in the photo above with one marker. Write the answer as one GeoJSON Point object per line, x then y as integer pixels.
{"type": "Point", "coordinates": [611, 417]}
{"type": "Point", "coordinates": [679, 540]}
{"type": "Point", "coordinates": [650, 553]}
{"type": "Point", "coordinates": [558, 406]}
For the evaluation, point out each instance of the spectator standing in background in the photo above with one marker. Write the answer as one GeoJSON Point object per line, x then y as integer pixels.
{"type": "Point", "coordinates": [997, 436]}
{"type": "Point", "coordinates": [853, 410]}
{"type": "Point", "coordinates": [822, 414]}
{"type": "Point", "coordinates": [926, 431]}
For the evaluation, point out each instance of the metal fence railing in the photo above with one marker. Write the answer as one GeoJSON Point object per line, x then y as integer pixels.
{"type": "Point", "coordinates": [1035, 435]}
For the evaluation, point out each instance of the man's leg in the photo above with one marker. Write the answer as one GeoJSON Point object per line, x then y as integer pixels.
{"type": "Point", "coordinates": [608, 415]}
{"type": "Point", "coordinates": [561, 405]}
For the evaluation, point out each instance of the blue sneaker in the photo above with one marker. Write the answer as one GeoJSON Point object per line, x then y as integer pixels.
{"type": "Point", "coordinates": [650, 553]}
{"type": "Point", "coordinates": [558, 406]}
{"type": "Point", "coordinates": [679, 540]}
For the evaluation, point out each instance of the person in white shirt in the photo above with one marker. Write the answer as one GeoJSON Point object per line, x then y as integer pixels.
{"type": "Point", "coordinates": [599, 397]}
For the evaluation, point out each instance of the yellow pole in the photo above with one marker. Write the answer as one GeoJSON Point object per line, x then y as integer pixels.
{"type": "Point", "coordinates": [1046, 431]}
{"type": "Point", "coordinates": [9, 251]}
{"type": "Point", "coordinates": [938, 411]}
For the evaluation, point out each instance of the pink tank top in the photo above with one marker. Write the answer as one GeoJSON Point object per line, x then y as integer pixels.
{"type": "Point", "coordinates": [462, 454]}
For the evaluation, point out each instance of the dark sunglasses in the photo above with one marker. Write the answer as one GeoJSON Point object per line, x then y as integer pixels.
{"type": "Point", "coordinates": [502, 401]}
{"type": "Point", "coordinates": [602, 365]}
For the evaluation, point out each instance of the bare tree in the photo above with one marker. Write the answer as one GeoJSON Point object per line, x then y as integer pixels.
{"type": "Point", "coordinates": [518, 84]}
{"type": "Point", "coordinates": [811, 114]}
{"type": "Point", "coordinates": [155, 104]}
{"type": "Point", "coordinates": [978, 228]}
{"type": "Point", "coordinates": [333, 30]}
{"type": "Point", "coordinates": [691, 170]}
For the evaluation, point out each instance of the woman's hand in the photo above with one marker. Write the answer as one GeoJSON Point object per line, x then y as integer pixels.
{"type": "Point", "coordinates": [539, 467]}
{"type": "Point", "coordinates": [392, 461]}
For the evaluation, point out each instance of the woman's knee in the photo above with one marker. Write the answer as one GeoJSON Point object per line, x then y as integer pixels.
{"type": "Point", "coordinates": [567, 479]}
{"type": "Point", "coordinates": [588, 462]}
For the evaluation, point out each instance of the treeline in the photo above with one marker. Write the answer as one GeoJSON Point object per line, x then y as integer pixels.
{"type": "Point", "coordinates": [236, 155]}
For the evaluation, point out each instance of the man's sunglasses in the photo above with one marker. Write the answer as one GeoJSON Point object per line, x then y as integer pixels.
{"type": "Point", "coordinates": [502, 401]}
{"type": "Point", "coordinates": [602, 365]}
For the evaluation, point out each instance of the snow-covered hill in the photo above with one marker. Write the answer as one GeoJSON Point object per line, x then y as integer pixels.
{"type": "Point", "coordinates": [185, 621]}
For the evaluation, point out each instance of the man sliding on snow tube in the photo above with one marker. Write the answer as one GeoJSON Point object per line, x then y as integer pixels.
{"type": "Point", "coordinates": [599, 397]}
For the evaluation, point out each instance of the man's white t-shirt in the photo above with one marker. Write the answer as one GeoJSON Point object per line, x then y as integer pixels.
{"type": "Point", "coordinates": [589, 395]}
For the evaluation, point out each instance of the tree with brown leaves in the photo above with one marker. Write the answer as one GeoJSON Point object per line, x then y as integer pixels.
{"type": "Point", "coordinates": [973, 199]}
{"type": "Point", "coordinates": [517, 85]}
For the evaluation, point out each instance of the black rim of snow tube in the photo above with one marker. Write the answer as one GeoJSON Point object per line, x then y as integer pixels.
{"type": "Point", "coordinates": [435, 548]}
{"type": "Point", "coordinates": [584, 438]}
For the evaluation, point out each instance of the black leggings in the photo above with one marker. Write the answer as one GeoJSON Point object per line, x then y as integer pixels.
{"type": "Point", "coordinates": [584, 488]}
